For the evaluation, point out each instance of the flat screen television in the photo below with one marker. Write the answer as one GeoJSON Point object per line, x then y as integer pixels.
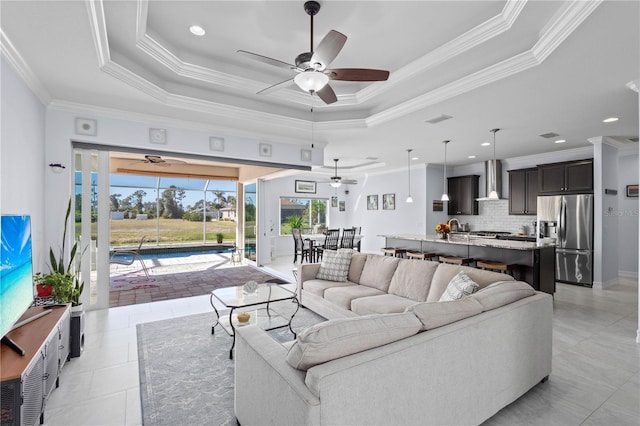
{"type": "Point", "coordinates": [16, 270]}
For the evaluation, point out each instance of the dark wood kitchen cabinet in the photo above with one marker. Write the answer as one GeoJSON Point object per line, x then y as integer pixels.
{"type": "Point", "coordinates": [463, 192]}
{"type": "Point", "coordinates": [570, 177]}
{"type": "Point", "coordinates": [523, 191]}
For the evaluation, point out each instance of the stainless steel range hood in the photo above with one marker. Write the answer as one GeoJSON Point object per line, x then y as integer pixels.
{"type": "Point", "coordinates": [492, 168]}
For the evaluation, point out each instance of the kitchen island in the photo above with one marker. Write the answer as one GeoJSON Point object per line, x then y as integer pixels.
{"type": "Point", "coordinates": [536, 263]}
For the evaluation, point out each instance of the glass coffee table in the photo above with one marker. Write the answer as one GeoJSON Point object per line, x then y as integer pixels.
{"type": "Point", "coordinates": [234, 298]}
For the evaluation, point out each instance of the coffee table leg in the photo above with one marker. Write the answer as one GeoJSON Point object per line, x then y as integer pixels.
{"type": "Point", "coordinates": [294, 300]}
{"type": "Point", "coordinates": [213, 327]}
{"type": "Point", "coordinates": [233, 332]}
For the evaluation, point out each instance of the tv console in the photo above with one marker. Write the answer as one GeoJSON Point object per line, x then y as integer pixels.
{"type": "Point", "coordinates": [27, 380]}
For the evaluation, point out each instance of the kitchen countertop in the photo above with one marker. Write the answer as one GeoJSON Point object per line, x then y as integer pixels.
{"type": "Point", "coordinates": [472, 240]}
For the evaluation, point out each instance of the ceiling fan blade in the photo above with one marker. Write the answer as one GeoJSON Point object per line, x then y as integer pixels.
{"type": "Point", "coordinates": [275, 87]}
{"type": "Point", "coordinates": [349, 181]}
{"type": "Point", "coordinates": [357, 74]}
{"type": "Point", "coordinates": [328, 48]}
{"type": "Point", "coordinates": [267, 60]}
{"type": "Point", "coordinates": [327, 94]}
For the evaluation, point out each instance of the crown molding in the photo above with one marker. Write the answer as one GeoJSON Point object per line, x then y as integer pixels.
{"type": "Point", "coordinates": [556, 33]}
{"type": "Point", "coordinates": [11, 54]}
{"type": "Point", "coordinates": [564, 23]}
{"type": "Point", "coordinates": [470, 39]}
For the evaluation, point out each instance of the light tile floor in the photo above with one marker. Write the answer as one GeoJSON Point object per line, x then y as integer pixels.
{"type": "Point", "coordinates": [595, 378]}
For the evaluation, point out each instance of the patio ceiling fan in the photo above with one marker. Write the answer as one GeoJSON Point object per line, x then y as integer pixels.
{"type": "Point", "coordinates": [335, 180]}
{"type": "Point", "coordinates": [157, 160]}
{"type": "Point", "coordinates": [313, 75]}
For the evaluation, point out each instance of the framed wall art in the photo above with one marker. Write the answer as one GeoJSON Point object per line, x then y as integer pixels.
{"type": "Point", "coordinates": [342, 207]}
{"type": "Point", "coordinates": [334, 201]}
{"type": "Point", "coordinates": [305, 187]}
{"type": "Point", "coordinates": [372, 202]}
{"type": "Point", "coordinates": [388, 201]}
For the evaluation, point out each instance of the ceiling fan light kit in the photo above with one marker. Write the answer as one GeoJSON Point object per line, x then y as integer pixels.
{"type": "Point", "coordinates": [313, 76]}
{"type": "Point", "coordinates": [311, 81]}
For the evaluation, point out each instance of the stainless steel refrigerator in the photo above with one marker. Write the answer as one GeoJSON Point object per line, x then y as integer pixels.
{"type": "Point", "coordinates": [569, 219]}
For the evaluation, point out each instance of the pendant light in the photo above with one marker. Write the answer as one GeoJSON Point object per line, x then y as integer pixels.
{"type": "Point", "coordinates": [493, 195]}
{"type": "Point", "coordinates": [445, 197]}
{"type": "Point", "coordinates": [409, 199]}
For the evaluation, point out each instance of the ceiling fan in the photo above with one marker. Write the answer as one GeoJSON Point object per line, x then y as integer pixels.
{"type": "Point", "coordinates": [313, 75]}
{"type": "Point", "coordinates": [335, 180]}
{"type": "Point", "coordinates": [156, 160]}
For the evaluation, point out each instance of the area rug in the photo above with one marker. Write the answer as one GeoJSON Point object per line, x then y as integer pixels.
{"type": "Point", "coordinates": [186, 376]}
{"type": "Point", "coordinates": [130, 286]}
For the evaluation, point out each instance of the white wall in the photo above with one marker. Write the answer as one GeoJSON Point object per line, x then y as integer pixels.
{"type": "Point", "coordinates": [627, 216]}
{"type": "Point", "coordinates": [23, 164]}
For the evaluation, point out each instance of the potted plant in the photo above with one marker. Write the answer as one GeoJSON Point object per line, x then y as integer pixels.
{"type": "Point", "coordinates": [295, 222]}
{"type": "Point", "coordinates": [66, 285]}
{"type": "Point", "coordinates": [219, 237]}
{"type": "Point", "coordinates": [63, 277]}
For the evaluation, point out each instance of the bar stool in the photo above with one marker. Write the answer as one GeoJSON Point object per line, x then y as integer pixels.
{"type": "Point", "coordinates": [505, 268]}
{"type": "Point", "coordinates": [420, 255]}
{"type": "Point", "coordinates": [456, 260]}
{"type": "Point", "coordinates": [396, 252]}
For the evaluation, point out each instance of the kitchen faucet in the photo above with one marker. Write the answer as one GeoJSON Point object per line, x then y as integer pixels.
{"type": "Point", "coordinates": [458, 227]}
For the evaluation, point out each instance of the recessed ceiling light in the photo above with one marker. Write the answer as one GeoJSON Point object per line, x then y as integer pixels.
{"type": "Point", "coordinates": [610, 120]}
{"type": "Point", "coordinates": [471, 156]}
{"type": "Point", "coordinates": [560, 141]}
{"type": "Point", "coordinates": [485, 144]}
{"type": "Point", "coordinates": [197, 30]}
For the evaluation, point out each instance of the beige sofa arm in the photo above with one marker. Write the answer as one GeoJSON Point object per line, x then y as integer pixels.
{"type": "Point", "coordinates": [306, 272]}
{"type": "Point", "coordinates": [267, 389]}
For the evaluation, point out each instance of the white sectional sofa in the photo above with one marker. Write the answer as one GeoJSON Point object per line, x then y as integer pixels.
{"type": "Point", "coordinates": [393, 353]}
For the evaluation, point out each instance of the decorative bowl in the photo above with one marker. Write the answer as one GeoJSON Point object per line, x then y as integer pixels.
{"type": "Point", "coordinates": [243, 317]}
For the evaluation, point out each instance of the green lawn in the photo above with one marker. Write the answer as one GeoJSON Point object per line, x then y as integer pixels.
{"type": "Point", "coordinates": [172, 231]}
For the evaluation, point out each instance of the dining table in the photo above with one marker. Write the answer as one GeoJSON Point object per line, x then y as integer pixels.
{"type": "Point", "coordinates": [318, 239]}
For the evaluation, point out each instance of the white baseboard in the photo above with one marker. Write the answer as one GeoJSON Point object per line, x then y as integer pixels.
{"type": "Point", "coordinates": [607, 284]}
{"type": "Point", "coordinates": [628, 274]}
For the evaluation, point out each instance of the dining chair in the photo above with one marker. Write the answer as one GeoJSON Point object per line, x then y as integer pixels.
{"type": "Point", "coordinates": [348, 235]}
{"type": "Point", "coordinates": [127, 257]}
{"type": "Point", "coordinates": [301, 247]}
{"type": "Point", "coordinates": [331, 242]}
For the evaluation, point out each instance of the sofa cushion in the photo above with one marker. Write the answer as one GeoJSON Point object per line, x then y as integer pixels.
{"type": "Point", "coordinates": [355, 269]}
{"type": "Point", "coordinates": [342, 296]}
{"type": "Point", "coordinates": [335, 265]}
{"type": "Point", "coordinates": [381, 304]}
{"type": "Point", "coordinates": [341, 337]}
{"type": "Point", "coordinates": [459, 286]}
{"type": "Point", "coordinates": [446, 272]}
{"type": "Point", "coordinates": [502, 293]}
{"type": "Point", "coordinates": [318, 287]}
{"type": "Point", "coordinates": [377, 271]}
{"type": "Point", "coordinates": [437, 314]}
{"type": "Point", "coordinates": [412, 279]}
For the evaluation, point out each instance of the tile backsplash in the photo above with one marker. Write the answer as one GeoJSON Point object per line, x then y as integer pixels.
{"type": "Point", "coordinates": [494, 216]}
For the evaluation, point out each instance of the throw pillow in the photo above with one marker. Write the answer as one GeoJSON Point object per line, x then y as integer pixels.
{"type": "Point", "coordinates": [335, 265]}
{"type": "Point", "coordinates": [459, 286]}
{"type": "Point", "coordinates": [337, 338]}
